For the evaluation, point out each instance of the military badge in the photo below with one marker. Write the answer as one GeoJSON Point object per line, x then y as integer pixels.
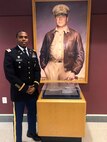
{"type": "Point", "coordinates": [8, 50]}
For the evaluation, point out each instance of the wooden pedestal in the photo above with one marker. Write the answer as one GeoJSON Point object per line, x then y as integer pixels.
{"type": "Point", "coordinates": [61, 117]}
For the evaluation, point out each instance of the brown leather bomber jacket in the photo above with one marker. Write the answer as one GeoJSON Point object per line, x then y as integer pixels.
{"type": "Point", "coordinates": [73, 50]}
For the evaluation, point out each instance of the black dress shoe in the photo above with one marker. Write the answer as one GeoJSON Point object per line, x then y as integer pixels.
{"type": "Point", "coordinates": [34, 136]}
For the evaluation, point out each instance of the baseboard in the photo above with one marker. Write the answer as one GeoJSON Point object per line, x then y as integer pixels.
{"type": "Point", "coordinates": [96, 118]}
{"type": "Point", "coordinates": [89, 118]}
{"type": "Point", "coordinates": [9, 118]}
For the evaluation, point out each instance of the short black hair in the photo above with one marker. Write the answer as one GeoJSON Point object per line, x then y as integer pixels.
{"type": "Point", "coordinates": [20, 32]}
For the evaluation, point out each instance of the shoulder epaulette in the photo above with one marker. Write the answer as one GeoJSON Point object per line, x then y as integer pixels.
{"type": "Point", "coordinates": [8, 50]}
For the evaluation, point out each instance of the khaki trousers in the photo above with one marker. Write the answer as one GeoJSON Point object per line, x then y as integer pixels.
{"type": "Point", "coordinates": [55, 71]}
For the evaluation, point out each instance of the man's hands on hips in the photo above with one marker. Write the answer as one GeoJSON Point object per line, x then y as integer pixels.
{"type": "Point", "coordinates": [70, 75]}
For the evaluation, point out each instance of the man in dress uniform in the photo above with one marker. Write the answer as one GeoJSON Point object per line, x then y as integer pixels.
{"type": "Point", "coordinates": [62, 53]}
{"type": "Point", "coordinates": [22, 70]}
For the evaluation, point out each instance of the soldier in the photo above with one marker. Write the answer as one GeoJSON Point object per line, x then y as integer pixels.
{"type": "Point", "coordinates": [22, 70]}
{"type": "Point", "coordinates": [62, 53]}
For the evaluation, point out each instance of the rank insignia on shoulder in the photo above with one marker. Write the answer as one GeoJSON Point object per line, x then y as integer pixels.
{"type": "Point", "coordinates": [8, 50]}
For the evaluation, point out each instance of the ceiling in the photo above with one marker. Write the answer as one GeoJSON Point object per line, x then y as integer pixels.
{"type": "Point", "coordinates": [24, 7]}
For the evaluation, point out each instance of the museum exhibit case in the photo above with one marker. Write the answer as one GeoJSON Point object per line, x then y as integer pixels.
{"type": "Point", "coordinates": [63, 115]}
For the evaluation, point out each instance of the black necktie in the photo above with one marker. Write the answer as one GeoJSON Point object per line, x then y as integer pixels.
{"type": "Point", "coordinates": [24, 50]}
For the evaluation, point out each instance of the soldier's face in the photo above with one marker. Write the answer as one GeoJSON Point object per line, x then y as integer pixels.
{"type": "Point", "coordinates": [22, 39]}
{"type": "Point", "coordinates": [61, 20]}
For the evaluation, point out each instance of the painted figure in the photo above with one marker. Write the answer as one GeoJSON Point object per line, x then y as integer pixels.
{"type": "Point", "coordinates": [62, 53]}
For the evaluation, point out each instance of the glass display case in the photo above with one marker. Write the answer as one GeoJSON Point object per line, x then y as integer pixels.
{"type": "Point", "coordinates": [61, 91]}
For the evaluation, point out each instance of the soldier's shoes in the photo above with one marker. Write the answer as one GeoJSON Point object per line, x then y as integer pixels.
{"type": "Point", "coordinates": [34, 136]}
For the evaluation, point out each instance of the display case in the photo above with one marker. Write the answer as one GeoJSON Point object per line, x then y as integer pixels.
{"type": "Point", "coordinates": [61, 91]}
{"type": "Point", "coordinates": [61, 116]}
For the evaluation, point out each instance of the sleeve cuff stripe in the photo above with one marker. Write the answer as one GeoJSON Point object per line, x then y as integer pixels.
{"type": "Point", "coordinates": [22, 87]}
{"type": "Point", "coordinates": [36, 82]}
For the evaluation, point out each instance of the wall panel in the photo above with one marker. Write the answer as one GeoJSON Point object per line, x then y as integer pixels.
{"type": "Point", "coordinates": [96, 90]}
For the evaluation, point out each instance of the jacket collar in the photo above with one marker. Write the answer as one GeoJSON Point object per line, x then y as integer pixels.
{"type": "Point", "coordinates": [65, 29]}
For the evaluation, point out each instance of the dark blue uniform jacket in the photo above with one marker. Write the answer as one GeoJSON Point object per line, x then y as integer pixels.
{"type": "Point", "coordinates": [21, 71]}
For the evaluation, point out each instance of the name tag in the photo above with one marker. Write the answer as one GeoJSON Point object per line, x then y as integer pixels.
{"type": "Point", "coordinates": [19, 60]}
